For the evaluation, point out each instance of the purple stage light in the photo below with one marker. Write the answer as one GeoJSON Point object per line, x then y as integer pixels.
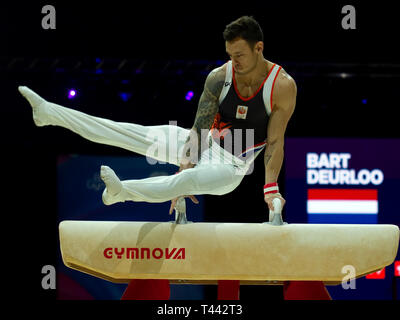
{"type": "Point", "coordinates": [71, 94]}
{"type": "Point", "coordinates": [189, 95]}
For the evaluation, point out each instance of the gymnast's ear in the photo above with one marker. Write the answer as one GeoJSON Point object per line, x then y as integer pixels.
{"type": "Point", "coordinates": [259, 46]}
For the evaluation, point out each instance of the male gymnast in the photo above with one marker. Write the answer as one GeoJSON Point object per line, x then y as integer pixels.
{"type": "Point", "coordinates": [247, 99]}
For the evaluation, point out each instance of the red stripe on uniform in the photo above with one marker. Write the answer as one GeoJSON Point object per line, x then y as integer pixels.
{"type": "Point", "coordinates": [249, 98]}
{"type": "Point", "coordinates": [255, 146]}
{"type": "Point", "coordinates": [272, 89]}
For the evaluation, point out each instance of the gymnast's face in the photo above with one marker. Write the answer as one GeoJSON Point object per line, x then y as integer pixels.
{"type": "Point", "coordinates": [244, 58]}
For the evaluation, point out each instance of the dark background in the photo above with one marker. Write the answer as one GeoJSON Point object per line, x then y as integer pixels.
{"type": "Point", "coordinates": [157, 52]}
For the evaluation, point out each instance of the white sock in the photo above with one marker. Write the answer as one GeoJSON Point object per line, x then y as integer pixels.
{"type": "Point", "coordinates": [36, 102]}
{"type": "Point", "coordinates": [113, 184]}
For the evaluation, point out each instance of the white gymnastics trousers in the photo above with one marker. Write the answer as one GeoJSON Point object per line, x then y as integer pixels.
{"type": "Point", "coordinates": [217, 171]}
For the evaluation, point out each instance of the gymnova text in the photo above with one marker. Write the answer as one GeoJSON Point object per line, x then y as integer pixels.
{"type": "Point", "coordinates": [144, 253]}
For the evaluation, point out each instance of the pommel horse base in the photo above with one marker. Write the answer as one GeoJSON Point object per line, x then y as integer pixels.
{"type": "Point", "coordinates": [211, 253]}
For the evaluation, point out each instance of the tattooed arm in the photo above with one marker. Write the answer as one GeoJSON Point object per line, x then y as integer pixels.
{"type": "Point", "coordinates": [206, 111]}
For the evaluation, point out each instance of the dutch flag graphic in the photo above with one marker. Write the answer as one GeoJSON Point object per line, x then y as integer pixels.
{"type": "Point", "coordinates": [342, 205]}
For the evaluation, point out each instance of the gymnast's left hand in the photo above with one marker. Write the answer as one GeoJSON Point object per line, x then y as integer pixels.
{"type": "Point", "coordinates": [268, 198]}
{"type": "Point", "coordinates": [173, 202]}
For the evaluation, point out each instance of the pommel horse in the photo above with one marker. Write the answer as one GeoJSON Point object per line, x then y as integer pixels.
{"type": "Point", "coordinates": [151, 255]}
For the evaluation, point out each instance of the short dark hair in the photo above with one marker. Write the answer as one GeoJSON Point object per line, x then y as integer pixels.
{"type": "Point", "coordinates": [246, 28]}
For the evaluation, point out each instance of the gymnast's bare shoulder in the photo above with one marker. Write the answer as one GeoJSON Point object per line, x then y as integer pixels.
{"type": "Point", "coordinates": [215, 81]}
{"type": "Point", "coordinates": [285, 91]}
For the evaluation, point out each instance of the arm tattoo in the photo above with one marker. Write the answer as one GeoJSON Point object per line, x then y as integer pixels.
{"type": "Point", "coordinates": [208, 105]}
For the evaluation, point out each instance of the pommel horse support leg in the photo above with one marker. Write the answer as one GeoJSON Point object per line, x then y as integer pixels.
{"type": "Point", "coordinates": [206, 253]}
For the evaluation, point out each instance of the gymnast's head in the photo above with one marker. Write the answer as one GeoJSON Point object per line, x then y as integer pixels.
{"type": "Point", "coordinates": [244, 43]}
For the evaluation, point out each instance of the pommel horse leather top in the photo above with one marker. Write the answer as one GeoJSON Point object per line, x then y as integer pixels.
{"type": "Point", "coordinates": [205, 252]}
